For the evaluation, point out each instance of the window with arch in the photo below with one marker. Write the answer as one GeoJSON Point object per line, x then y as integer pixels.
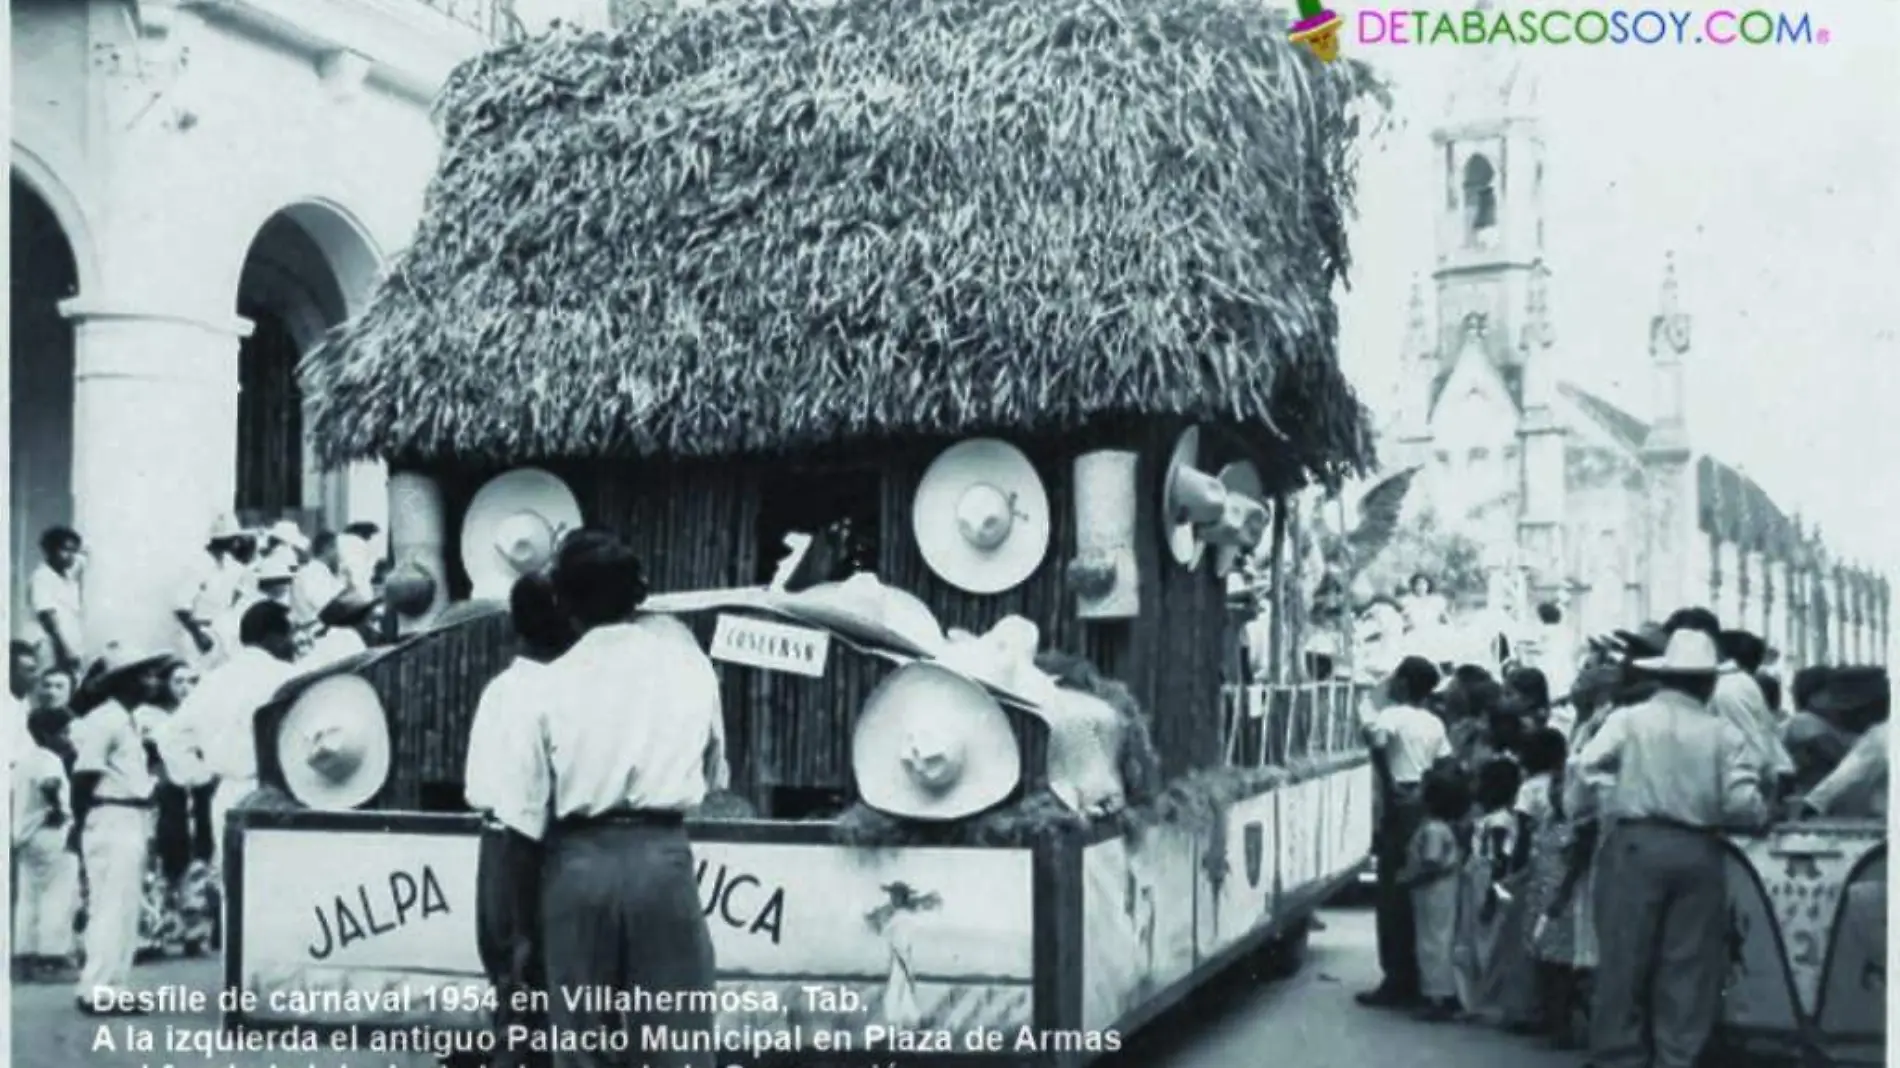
{"type": "Point", "coordinates": [1481, 198]}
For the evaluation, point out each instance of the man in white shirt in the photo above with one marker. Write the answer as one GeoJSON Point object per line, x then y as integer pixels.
{"type": "Point", "coordinates": [213, 735]}
{"type": "Point", "coordinates": [506, 781]}
{"type": "Point", "coordinates": [633, 739]}
{"type": "Point", "coordinates": [1405, 740]}
{"type": "Point", "coordinates": [113, 787]}
{"type": "Point", "coordinates": [53, 594]}
{"type": "Point", "coordinates": [317, 584]}
{"type": "Point", "coordinates": [209, 604]}
{"type": "Point", "coordinates": [1739, 700]}
{"type": "Point", "coordinates": [357, 556]}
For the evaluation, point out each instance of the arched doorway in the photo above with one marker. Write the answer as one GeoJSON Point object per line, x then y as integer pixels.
{"type": "Point", "coordinates": [40, 433]}
{"type": "Point", "coordinates": [305, 272]}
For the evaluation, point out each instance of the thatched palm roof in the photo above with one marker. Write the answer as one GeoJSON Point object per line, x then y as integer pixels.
{"type": "Point", "coordinates": [746, 227]}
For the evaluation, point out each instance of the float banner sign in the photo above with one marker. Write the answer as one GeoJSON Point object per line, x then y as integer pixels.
{"type": "Point", "coordinates": [390, 916]}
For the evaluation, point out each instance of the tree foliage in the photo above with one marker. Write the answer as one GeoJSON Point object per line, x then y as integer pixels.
{"type": "Point", "coordinates": [1423, 543]}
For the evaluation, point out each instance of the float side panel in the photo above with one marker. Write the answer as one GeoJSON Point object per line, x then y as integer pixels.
{"type": "Point", "coordinates": [1138, 899]}
{"type": "Point", "coordinates": [929, 938]}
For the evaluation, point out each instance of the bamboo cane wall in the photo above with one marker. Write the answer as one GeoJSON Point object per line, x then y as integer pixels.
{"type": "Point", "coordinates": [694, 525]}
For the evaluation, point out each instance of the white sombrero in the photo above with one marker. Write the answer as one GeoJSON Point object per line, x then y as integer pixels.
{"type": "Point", "coordinates": [1689, 652]}
{"type": "Point", "coordinates": [981, 516]}
{"type": "Point", "coordinates": [333, 744]}
{"type": "Point", "coordinates": [930, 744]}
{"type": "Point", "coordinates": [864, 610]}
{"type": "Point", "coordinates": [1003, 660]}
{"type": "Point", "coordinates": [512, 527]}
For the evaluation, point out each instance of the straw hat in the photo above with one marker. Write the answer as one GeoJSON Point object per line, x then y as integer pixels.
{"type": "Point", "coordinates": [333, 744]}
{"type": "Point", "coordinates": [1003, 660]}
{"type": "Point", "coordinates": [864, 610]}
{"type": "Point", "coordinates": [1104, 573]}
{"type": "Point", "coordinates": [1244, 520]}
{"type": "Point", "coordinates": [1689, 652]}
{"type": "Point", "coordinates": [981, 516]}
{"type": "Point", "coordinates": [1190, 498]}
{"type": "Point", "coordinates": [930, 744]}
{"type": "Point", "coordinates": [512, 527]}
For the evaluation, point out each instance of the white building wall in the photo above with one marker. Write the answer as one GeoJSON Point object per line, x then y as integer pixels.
{"type": "Point", "coordinates": [164, 134]}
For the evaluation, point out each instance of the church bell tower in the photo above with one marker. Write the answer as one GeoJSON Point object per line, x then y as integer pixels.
{"type": "Point", "coordinates": [1490, 174]}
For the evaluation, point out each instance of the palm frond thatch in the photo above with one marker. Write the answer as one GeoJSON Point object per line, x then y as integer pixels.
{"type": "Point", "coordinates": [736, 227]}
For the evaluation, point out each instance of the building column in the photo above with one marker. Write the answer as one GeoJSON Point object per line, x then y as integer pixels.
{"type": "Point", "coordinates": [154, 458]}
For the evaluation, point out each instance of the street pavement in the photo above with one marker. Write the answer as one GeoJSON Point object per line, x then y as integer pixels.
{"type": "Point", "coordinates": [1308, 1021]}
{"type": "Point", "coordinates": [1312, 1021]}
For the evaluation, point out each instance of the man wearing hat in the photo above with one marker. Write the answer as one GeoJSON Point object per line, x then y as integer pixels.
{"type": "Point", "coordinates": [206, 609]}
{"type": "Point", "coordinates": [1406, 740]}
{"type": "Point", "coordinates": [507, 784]}
{"type": "Point", "coordinates": [1681, 775]}
{"type": "Point", "coordinates": [632, 739]}
{"type": "Point", "coordinates": [213, 730]}
{"type": "Point", "coordinates": [113, 788]}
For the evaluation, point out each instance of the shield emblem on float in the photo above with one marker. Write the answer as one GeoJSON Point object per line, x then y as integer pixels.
{"type": "Point", "coordinates": [1252, 838]}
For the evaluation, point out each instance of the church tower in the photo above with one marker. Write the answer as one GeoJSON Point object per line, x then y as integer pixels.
{"type": "Point", "coordinates": [1490, 173]}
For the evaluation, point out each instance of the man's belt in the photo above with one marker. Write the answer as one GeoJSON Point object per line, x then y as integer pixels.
{"type": "Point", "coordinates": [622, 817]}
{"type": "Point", "coordinates": [124, 802]}
{"type": "Point", "coordinates": [1666, 823]}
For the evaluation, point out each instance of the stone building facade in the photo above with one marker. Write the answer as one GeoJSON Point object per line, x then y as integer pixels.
{"type": "Point", "coordinates": [1576, 500]}
{"type": "Point", "coordinates": [200, 188]}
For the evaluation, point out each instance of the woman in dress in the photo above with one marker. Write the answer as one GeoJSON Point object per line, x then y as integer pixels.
{"type": "Point", "coordinates": [1486, 915]}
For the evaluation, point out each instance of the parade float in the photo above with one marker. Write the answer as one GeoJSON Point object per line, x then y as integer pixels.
{"type": "Point", "coordinates": [1004, 321]}
{"type": "Point", "coordinates": [1013, 317]}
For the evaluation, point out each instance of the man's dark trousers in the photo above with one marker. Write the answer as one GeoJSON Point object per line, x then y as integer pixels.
{"type": "Point", "coordinates": [508, 939]}
{"type": "Point", "coordinates": [1398, 939]}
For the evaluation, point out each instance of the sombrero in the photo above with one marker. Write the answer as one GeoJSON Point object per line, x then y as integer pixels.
{"type": "Point", "coordinates": [118, 659]}
{"type": "Point", "coordinates": [1689, 652]}
{"type": "Point", "coordinates": [863, 610]}
{"type": "Point", "coordinates": [1002, 660]}
{"type": "Point", "coordinates": [981, 516]}
{"type": "Point", "coordinates": [930, 744]}
{"type": "Point", "coordinates": [333, 745]}
{"type": "Point", "coordinates": [512, 527]}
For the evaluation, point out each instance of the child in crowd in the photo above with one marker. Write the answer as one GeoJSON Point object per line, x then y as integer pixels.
{"type": "Point", "coordinates": [1484, 899]}
{"type": "Point", "coordinates": [1432, 863]}
{"type": "Point", "coordinates": [46, 871]}
{"type": "Point", "coordinates": [1560, 847]}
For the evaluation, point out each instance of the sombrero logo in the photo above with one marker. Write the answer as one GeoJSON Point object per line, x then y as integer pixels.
{"type": "Point", "coordinates": [1318, 29]}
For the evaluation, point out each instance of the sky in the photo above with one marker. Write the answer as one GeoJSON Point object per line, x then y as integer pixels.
{"type": "Point", "coordinates": [1772, 173]}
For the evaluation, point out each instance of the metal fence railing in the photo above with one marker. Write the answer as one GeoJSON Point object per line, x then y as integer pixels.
{"type": "Point", "coordinates": [1271, 724]}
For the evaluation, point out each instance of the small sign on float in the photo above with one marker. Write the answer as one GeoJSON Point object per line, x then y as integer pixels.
{"type": "Point", "coordinates": [771, 646]}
